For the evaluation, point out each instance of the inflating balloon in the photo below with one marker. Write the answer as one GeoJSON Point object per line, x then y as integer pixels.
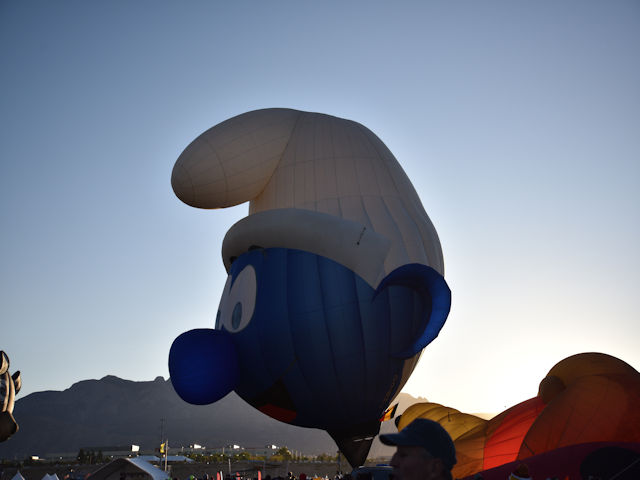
{"type": "Point", "coordinates": [335, 279]}
{"type": "Point", "coordinates": [585, 398]}
{"type": "Point", "coordinates": [593, 460]}
{"type": "Point", "coordinates": [9, 387]}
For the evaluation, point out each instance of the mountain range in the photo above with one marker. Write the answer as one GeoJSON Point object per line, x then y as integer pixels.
{"type": "Point", "coordinates": [114, 411]}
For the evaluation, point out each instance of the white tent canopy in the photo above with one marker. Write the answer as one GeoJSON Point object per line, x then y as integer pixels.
{"type": "Point", "coordinates": [112, 470]}
{"type": "Point", "coordinates": [17, 476]}
{"type": "Point", "coordinates": [148, 458]}
{"type": "Point", "coordinates": [50, 477]}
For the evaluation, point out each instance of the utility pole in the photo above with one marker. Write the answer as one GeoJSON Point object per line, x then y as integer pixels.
{"type": "Point", "coordinates": [166, 454]}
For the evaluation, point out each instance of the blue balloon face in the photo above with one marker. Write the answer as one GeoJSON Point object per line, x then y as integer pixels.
{"type": "Point", "coordinates": [316, 345]}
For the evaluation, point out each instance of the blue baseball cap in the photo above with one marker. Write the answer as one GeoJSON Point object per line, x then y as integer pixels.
{"type": "Point", "coordinates": [426, 434]}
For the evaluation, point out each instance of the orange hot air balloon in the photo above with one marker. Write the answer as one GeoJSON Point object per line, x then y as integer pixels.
{"type": "Point", "coordinates": [589, 397]}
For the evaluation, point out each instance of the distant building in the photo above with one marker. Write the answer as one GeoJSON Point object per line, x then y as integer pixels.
{"type": "Point", "coordinates": [266, 451]}
{"type": "Point", "coordinates": [112, 451]}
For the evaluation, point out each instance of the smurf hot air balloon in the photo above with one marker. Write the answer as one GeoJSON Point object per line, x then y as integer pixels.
{"type": "Point", "coordinates": [335, 278]}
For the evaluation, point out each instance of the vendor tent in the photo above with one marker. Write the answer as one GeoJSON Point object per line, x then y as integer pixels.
{"type": "Point", "coordinates": [50, 477]}
{"type": "Point", "coordinates": [129, 468]}
{"type": "Point", "coordinates": [17, 476]}
{"type": "Point", "coordinates": [148, 458]}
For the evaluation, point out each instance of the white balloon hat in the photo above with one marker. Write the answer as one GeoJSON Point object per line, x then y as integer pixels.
{"type": "Point", "coordinates": [314, 182]}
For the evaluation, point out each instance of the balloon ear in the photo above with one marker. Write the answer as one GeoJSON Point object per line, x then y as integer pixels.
{"type": "Point", "coordinates": [17, 381]}
{"type": "Point", "coordinates": [4, 362]}
{"type": "Point", "coordinates": [426, 281]}
{"type": "Point", "coordinates": [203, 365]}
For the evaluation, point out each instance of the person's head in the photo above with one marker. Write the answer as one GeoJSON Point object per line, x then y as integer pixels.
{"type": "Point", "coordinates": [520, 473]}
{"type": "Point", "coordinates": [425, 451]}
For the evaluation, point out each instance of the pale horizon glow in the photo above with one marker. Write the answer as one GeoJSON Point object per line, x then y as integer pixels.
{"type": "Point", "coordinates": [517, 123]}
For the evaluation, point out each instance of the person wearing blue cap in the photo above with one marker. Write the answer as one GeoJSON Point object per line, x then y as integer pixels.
{"type": "Point", "coordinates": [424, 451]}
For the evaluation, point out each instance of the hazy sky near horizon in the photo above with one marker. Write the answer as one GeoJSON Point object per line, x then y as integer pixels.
{"type": "Point", "coordinates": [517, 122]}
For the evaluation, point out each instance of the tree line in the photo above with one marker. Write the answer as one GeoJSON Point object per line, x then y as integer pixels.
{"type": "Point", "coordinates": [280, 455]}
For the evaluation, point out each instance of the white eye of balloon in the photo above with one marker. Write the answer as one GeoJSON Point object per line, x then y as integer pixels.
{"type": "Point", "coordinates": [238, 301]}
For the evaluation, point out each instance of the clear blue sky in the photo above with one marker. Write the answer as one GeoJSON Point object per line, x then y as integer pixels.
{"type": "Point", "coordinates": [517, 121]}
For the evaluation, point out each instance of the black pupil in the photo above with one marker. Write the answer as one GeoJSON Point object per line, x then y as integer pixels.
{"type": "Point", "coordinates": [236, 316]}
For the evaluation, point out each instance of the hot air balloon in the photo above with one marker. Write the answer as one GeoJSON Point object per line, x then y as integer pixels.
{"type": "Point", "coordinates": [9, 387]}
{"type": "Point", "coordinates": [585, 398]}
{"type": "Point", "coordinates": [335, 279]}
{"type": "Point", "coordinates": [611, 460]}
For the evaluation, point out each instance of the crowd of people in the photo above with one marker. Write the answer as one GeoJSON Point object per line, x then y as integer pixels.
{"type": "Point", "coordinates": [425, 451]}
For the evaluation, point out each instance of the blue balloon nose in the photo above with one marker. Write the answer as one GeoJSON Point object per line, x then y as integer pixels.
{"type": "Point", "coordinates": [203, 365]}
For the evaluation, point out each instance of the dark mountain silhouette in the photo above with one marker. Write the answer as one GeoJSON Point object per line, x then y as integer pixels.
{"type": "Point", "coordinates": [113, 411]}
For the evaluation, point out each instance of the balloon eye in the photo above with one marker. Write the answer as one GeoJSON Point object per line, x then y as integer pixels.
{"type": "Point", "coordinates": [238, 301]}
{"type": "Point", "coordinates": [236, 316]}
